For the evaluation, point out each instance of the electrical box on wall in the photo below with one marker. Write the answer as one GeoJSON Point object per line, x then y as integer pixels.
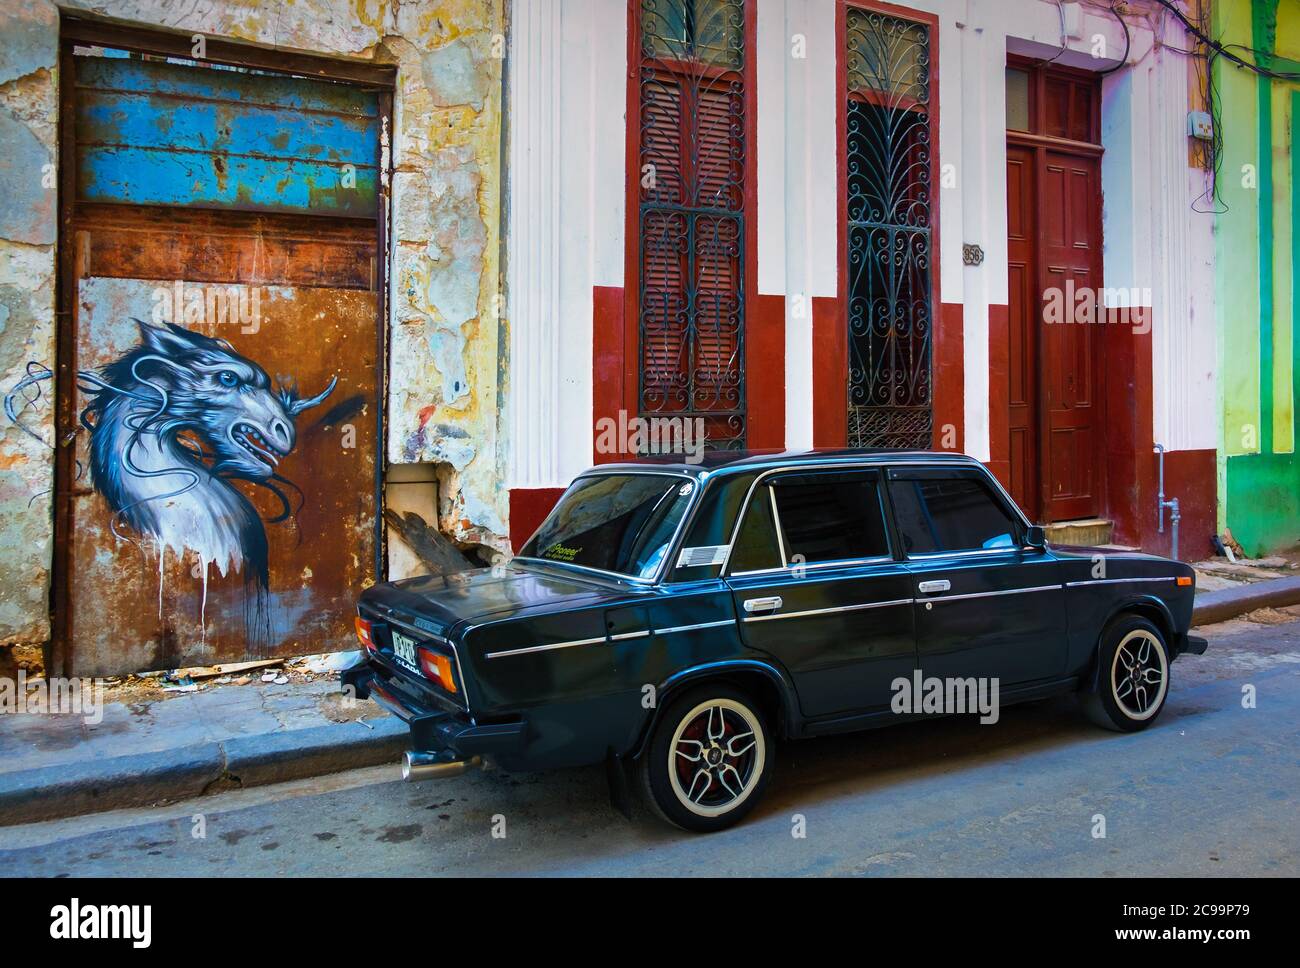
{"type": "Point", "coordinates": [1072, 20]}
{"type": "Point", "coordinates": [1200, 125]}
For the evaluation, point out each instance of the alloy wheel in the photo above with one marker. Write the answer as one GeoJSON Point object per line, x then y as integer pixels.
{"type": "Point", "coordinates": [1139, 674]}
{"type": "Point", "coordinates": [716, 756]}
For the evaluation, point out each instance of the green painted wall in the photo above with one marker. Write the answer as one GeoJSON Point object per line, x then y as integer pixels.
{"type": "Point", "coordinates": [1256, 270]}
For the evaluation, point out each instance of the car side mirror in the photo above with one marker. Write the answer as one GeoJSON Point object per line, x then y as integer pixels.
{"type": "Point", "coordinates": [1035, 538]}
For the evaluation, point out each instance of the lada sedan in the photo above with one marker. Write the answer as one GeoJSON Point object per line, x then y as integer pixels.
{"type": "Point", "coordinates": [675, 621]}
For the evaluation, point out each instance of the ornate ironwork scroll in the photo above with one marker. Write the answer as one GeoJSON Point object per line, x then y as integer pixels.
{"type": "Point", "coordinates": [889, 209]}
{"type": "Point", "coordinates": [692, 214]}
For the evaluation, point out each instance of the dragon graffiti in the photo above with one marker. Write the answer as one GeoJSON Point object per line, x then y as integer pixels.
{"type": "Point", "coordinates": [173, 423]}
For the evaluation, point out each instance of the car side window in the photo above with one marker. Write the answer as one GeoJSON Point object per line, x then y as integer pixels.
{"type": "Point", "coordinates": [942, 513]}
{"type": "Point", "coordinates": [831, 517]}
{"type": "Point", "coordinates": [756, 546]}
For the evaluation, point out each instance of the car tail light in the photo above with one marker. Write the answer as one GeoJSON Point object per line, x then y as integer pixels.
{"type": "Point", "coordinates": [364, 634]}
{"type": "Point", "coordinates": [437, 667]}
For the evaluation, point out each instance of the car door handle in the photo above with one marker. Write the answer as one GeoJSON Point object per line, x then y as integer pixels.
{"type": "Point", "coordinates": [763, 604]}
{"type": "Point", "coordinates": [941, 585]}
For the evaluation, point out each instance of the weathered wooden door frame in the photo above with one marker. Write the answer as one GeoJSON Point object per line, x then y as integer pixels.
{"type": "Point", "coordinates": [1029, 494]}
{"type": "Point", "coordinates": [79, 31]}
{"type": "Point", "coordinates": [1039, 145]}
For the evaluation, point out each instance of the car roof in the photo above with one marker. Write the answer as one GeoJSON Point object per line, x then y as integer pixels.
{"type": "Point", "coordinates": [718, 462]}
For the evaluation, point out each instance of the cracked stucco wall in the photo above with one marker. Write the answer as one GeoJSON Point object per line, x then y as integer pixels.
{"type": "Point", "coordinates": [446, 336]}
{"type": "Point", "coordinates": [28, 230]}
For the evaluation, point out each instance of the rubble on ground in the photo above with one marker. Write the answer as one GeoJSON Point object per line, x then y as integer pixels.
{"type": "Point", "coordinates": [164, 683]}
{"type": "Point", "coordinates": [1215, 574]}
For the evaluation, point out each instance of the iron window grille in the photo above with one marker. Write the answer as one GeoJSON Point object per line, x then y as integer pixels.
{"type": "Point", "coordinates": [691, 204]}
{"type": "Point", "coordinates": [889, 225]}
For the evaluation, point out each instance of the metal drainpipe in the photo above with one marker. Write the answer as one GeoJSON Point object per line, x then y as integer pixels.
{"type": "Point", "coordinates": [1161, 504]}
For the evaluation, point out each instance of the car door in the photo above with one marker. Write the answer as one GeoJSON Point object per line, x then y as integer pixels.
{"type": "Point", "coordinates": [986, 604]}
{"type": "Point", "coordinates": [817, 586]}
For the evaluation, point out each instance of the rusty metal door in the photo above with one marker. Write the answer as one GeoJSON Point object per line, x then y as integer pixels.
{"type": "Point", "coordinates": [221, 364]}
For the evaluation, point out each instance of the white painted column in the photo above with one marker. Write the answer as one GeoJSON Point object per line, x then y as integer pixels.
{"type": "Point", "coordinates": [1182, 268]}
{"type": "Point", "coordinates": [533, 108]}
{"type": "Point", "coordinates": [976, 94]}
{"type": "Point", "coordinates": [1159, 252]}
{"type": "Point", "coordinates": [807, 175]}
{"type": "Point", "coordinates": [800, 354]}
{"type": "Point", "coordinates": [565, 118]}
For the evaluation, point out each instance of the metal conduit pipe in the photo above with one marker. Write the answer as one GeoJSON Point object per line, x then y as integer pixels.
{"type": "Point", "coordinates": [1171, 504]}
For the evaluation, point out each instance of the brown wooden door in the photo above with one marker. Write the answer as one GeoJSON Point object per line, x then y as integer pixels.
{"type": "Point", "coordinates": [1023, 305]}
{"type": "Point", "coordinates": [1053, 270]}
{"type": "Point", "coordinates": [1054, 273]}
{"type": "Point", "coordinates": [1069, 229]}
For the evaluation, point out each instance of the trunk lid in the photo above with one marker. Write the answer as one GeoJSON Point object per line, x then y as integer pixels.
{"type": "Point", "coordinates": [437, 603]}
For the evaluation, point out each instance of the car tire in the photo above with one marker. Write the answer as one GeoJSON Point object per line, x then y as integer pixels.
{"type": "Point", "coordinates": [1132, 680]}
{"type": "Point", "coordinates": [709, 759]}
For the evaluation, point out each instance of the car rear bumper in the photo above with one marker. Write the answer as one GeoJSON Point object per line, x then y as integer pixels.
{"type": "Point", "coordinates": [451, 735]}
{"type": "Point", "coordinates": [1195, 645]}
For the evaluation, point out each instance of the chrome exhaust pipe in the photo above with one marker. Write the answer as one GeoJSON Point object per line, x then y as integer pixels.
{"type": "Point", "coordinates": [418, 766]}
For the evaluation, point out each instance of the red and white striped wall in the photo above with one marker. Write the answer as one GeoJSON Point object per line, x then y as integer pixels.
{"type": "Point", "coordinates": [572, 353]}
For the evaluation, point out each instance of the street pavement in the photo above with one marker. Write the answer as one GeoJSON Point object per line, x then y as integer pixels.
{"type": "Point", "coordinates": [1211, 788]}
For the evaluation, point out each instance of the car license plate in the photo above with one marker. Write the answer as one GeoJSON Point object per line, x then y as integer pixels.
{"type": "Point", "coordinates": [404, 650]}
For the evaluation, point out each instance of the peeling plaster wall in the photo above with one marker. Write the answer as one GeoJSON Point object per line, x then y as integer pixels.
{"type": "Point", "coordinates": [444, 379]}
{"type": "Point", "coordinates": [445, 368]}
{"type": "Point", "coordinates": [28, 229]}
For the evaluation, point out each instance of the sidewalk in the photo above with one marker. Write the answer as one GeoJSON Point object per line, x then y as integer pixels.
{"type": "Point", "coordinates": [1226, 589]}
{"type": "Point", "coordinates": [154, 745]}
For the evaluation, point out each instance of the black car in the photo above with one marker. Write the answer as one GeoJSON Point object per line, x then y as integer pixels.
{"type": "Point", "coordinates": [674, 620]}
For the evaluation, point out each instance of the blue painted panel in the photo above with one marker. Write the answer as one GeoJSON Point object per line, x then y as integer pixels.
{"type": "Point", "coordinates": [247, 87]}
{"type": "Point", "coordinates": [163, 134]}
{"type": "Point", "coordinates": [140, 120]}
{"type": "Point", "coordinates": [156, 176]}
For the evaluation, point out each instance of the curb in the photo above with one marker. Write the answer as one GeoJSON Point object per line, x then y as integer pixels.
{"type": "Point", "coordinates": [300, 753]}
{"type": "Point", "coordinates": [73, 789]}
{"type": "Point", "coordinates": [67, 790]}
{"type": "Point", "coordinates": [1230, 602]}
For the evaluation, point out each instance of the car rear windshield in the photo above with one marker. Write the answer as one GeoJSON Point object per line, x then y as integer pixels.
{"type": "Point", "coordinates": [623, 523]}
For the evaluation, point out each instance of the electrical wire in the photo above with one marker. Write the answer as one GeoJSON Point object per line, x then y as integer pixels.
{"type": "Point", "coordinates": [1210, 201]}
{"type": "Point", "coordinates": [1206, 49]}
{"type": "Point", "coordinates": [1128, 44]}
{"type": "Point", "coordinates": [1225, 50]}
{"type": "Point", "coordinates": [1065, 40]}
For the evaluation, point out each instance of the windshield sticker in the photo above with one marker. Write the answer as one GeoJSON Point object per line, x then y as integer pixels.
{"type": "Point", "coordinates": [558, 552]}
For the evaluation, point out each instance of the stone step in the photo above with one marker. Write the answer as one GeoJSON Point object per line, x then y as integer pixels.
{"type": "Point", "coordinates": [1092, 532]}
